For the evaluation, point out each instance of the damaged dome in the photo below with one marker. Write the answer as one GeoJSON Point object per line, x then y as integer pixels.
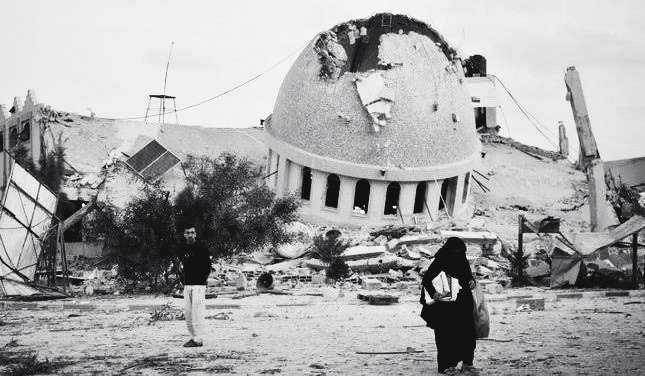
{"type": "Point", "coordinates": [384, 91]}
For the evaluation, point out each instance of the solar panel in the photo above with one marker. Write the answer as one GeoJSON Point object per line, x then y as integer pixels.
{"type": "Point", "coordinates": [144, 157]}
{"type": "Point", "coordinates": [160, 166]}
{"type": "Point", "coordinates": [153, 160]}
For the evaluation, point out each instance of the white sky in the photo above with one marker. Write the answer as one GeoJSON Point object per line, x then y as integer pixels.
{"type": "Point", "coordinates": [109, 55]}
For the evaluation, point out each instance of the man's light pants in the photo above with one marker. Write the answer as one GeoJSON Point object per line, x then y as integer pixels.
{"type": "Point", "coordinates": [194, 301]}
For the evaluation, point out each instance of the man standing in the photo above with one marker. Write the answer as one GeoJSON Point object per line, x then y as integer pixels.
{"type": "Point", "coordinates": [197, 266]}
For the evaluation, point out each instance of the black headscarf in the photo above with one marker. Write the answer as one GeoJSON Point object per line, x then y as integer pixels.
{"type": "Point", "coordinates": [451, 258]}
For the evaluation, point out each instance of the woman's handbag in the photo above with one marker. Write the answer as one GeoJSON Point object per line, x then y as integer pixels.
{"type": "Point", "coordinates": [480, 313]}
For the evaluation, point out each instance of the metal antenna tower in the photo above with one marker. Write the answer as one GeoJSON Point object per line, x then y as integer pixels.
{"type": "Point", "coordinates": [162, 97]}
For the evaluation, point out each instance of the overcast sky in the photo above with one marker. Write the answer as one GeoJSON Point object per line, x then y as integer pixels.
{"type": "Point", "coordinates": [109, 55]}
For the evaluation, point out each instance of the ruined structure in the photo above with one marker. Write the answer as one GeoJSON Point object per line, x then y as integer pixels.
{"type": "Point", "coordinates": [22, 125]}
{"type": "Point", "coordinates": [483, 94]}
{"type": "Point", "coordinates": [373, 124]}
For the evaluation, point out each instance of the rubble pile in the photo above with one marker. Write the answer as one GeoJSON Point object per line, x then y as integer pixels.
{"type": "Point", "coordinates": [389, 258]}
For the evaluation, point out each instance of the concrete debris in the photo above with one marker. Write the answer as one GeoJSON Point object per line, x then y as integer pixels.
{"type": "Point", "coordinates": [362, 252]}
{"type": "Point", "coordinates": [377, 97]}
{"type": "Point", "coordinates": [537, 268]}
{"type": "Point", "coordinates": [331, 55]}
{"type": "Point", "coordinates": [292, 250]}
{"type": "Point", "coordinates": [407, 253]}
{"type": "Point", "coordinates": [371, 284]}
{"type": "Point", "coordinates": [410, 240]}
{"type": "Point", "coordinates": [167, 312]}
{"type": "Point", "coordinates": [392, 232]}
{"type": "Point", "coordinates": [381, 240]}
{"type": "Point", "coordinates": [353, 33]}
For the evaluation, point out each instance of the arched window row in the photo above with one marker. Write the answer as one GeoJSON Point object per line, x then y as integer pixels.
{"type": "Point", "coordinates": [362, 193]}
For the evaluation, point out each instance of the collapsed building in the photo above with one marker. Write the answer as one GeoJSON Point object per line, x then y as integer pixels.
{"type": "Point", "coordinates": [373, 124]}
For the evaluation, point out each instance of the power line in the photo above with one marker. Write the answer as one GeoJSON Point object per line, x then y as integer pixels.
{"type": "Point", "coordinates": [525, 112]}
{"type": "Point", "coordinates": [219, 94]}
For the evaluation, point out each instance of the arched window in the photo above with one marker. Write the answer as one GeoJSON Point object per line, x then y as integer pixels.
{"type": "Point", "coordinates": [305, 186]}
{"type": "Point", "coordinates": [361, 197]}
{"type": "Point", "coordinates": [333, 189]}
{"type": "Point", "coordinates": [420, 198]}
{"type": "Point", "coordinates": [392, 198]}
{"type": "Point", "coordinates": [448, 193]}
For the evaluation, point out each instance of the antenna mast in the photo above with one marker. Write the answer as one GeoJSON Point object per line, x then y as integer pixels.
{"type": "Point", "coordinates": [165, 79]}
{"type": "Point", "coordinates": [162, 97]}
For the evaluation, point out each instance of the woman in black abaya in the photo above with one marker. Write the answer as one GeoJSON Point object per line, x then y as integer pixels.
{"type": "Point", "coordinates": [453, 322]}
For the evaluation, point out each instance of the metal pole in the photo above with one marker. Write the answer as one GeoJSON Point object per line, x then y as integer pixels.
{"type": "Point", "coordinates": [147, 110]}
{"type": "Point", "coordinates": [174, 104]}
{"type": "Point", "coordinates": [520, 247]}
{"type": "Point", "coordinates": [635, 260]}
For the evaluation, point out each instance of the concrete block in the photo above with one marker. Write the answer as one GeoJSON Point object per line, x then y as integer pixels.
{"type": "Point", "coordinates": [494, 288]}
{"type": "Point", "coordinates": [23, 305]}
{"type": "Point", "coordinates": [139, 307]}
{"type": "Point", "coordinates": [617, 293]}
{"type": "Point", "coordinates": [222, 306]}
{"type": "Point", "coordinates": [510, 297]}
{"type": "Point", "coordinates": [569, 296]}
{"type": "Point", "coordinates": [535, 304]}
{"type": "Point", "coordinates": [371, 284]}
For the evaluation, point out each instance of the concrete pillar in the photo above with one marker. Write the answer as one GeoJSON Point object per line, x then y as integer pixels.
{"type": "Point", "coordinates": [459, 204]}
{"type": "Point", "coordinates": [270, 157]}
{"type": "Point", "coordinates": [564, 141]}
{"type": "Point", "coordinates": [318, 187]}
{"type": "Point", "coordinates": [491, 118]}
{"type": "Point", "coordinates": [406, 199]}
{"type": "Point", "coordinates": [35, 139]}
{"type": "Point", "coordinates": [467, 187]}
{"type": "Point", "coordinates": [377, 200]}
{"type": "Point", "coordinates": [282, 176]}
{"type": "Point", "coordinates": [346, 196]}
{"type": "Point", "coordinates": [295, 177]}
{"type": "Point", "coordinates": [433, 191]}
{"type": "Point", "coordinates": [273, 179]}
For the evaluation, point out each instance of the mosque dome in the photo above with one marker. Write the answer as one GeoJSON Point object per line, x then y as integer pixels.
{"type": "Point", "coordinates": [386, 93]}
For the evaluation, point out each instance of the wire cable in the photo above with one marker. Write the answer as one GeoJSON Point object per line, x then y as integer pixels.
{"type": "Point", "coordinates": [528, 115]}
{"type": "Point", "coordinates": [221, 94]}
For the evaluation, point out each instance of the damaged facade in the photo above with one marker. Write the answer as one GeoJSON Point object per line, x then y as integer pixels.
{"type": "Point", "coordinates": [373, 124]}
{"type": "Point", "coordinates": [483, 94]}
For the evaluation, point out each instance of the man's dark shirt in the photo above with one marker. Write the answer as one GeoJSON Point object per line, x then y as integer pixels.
{"type": "Point", "coordinates": [196, 262]}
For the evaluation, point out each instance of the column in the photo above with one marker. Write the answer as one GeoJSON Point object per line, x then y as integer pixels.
{"type": "Point", "coordinates": [295, 177]}
{"type": "Point", "coordinates": [34, 138]}
{"type": "Point", "coordinates": [282, 176]}
{"type": "Point", "coordinates": [406, 199]}
{"type": "Point", "coordinates": [318, 185]}
{"type": "Point", "coordinates": [433, 191]}
{"type": "Point", "coordinates": [377, 200]}
{"type": "Point", "coordinates": [268, 166]}
{"type": "Point", "coordinates": [346, 196]}
{"type": "Point", "coordinates": [459, 192]}
{"type": "Point", "coordinates": [273, 179]}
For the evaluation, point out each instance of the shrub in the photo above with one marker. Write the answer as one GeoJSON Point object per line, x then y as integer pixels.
{"type": "Point", "coordinates": [234, 213]}
{"type": "Point", "coordinates": [141, 237]}
{"type": "Point", "coordinates": [329, 248]}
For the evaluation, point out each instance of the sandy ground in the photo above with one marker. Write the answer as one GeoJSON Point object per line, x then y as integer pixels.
{"type": "Point", "coordinates": [315, 335]}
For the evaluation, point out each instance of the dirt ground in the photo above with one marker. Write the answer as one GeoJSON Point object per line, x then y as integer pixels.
{"type": "Point", "coordinates": [303, 334]}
